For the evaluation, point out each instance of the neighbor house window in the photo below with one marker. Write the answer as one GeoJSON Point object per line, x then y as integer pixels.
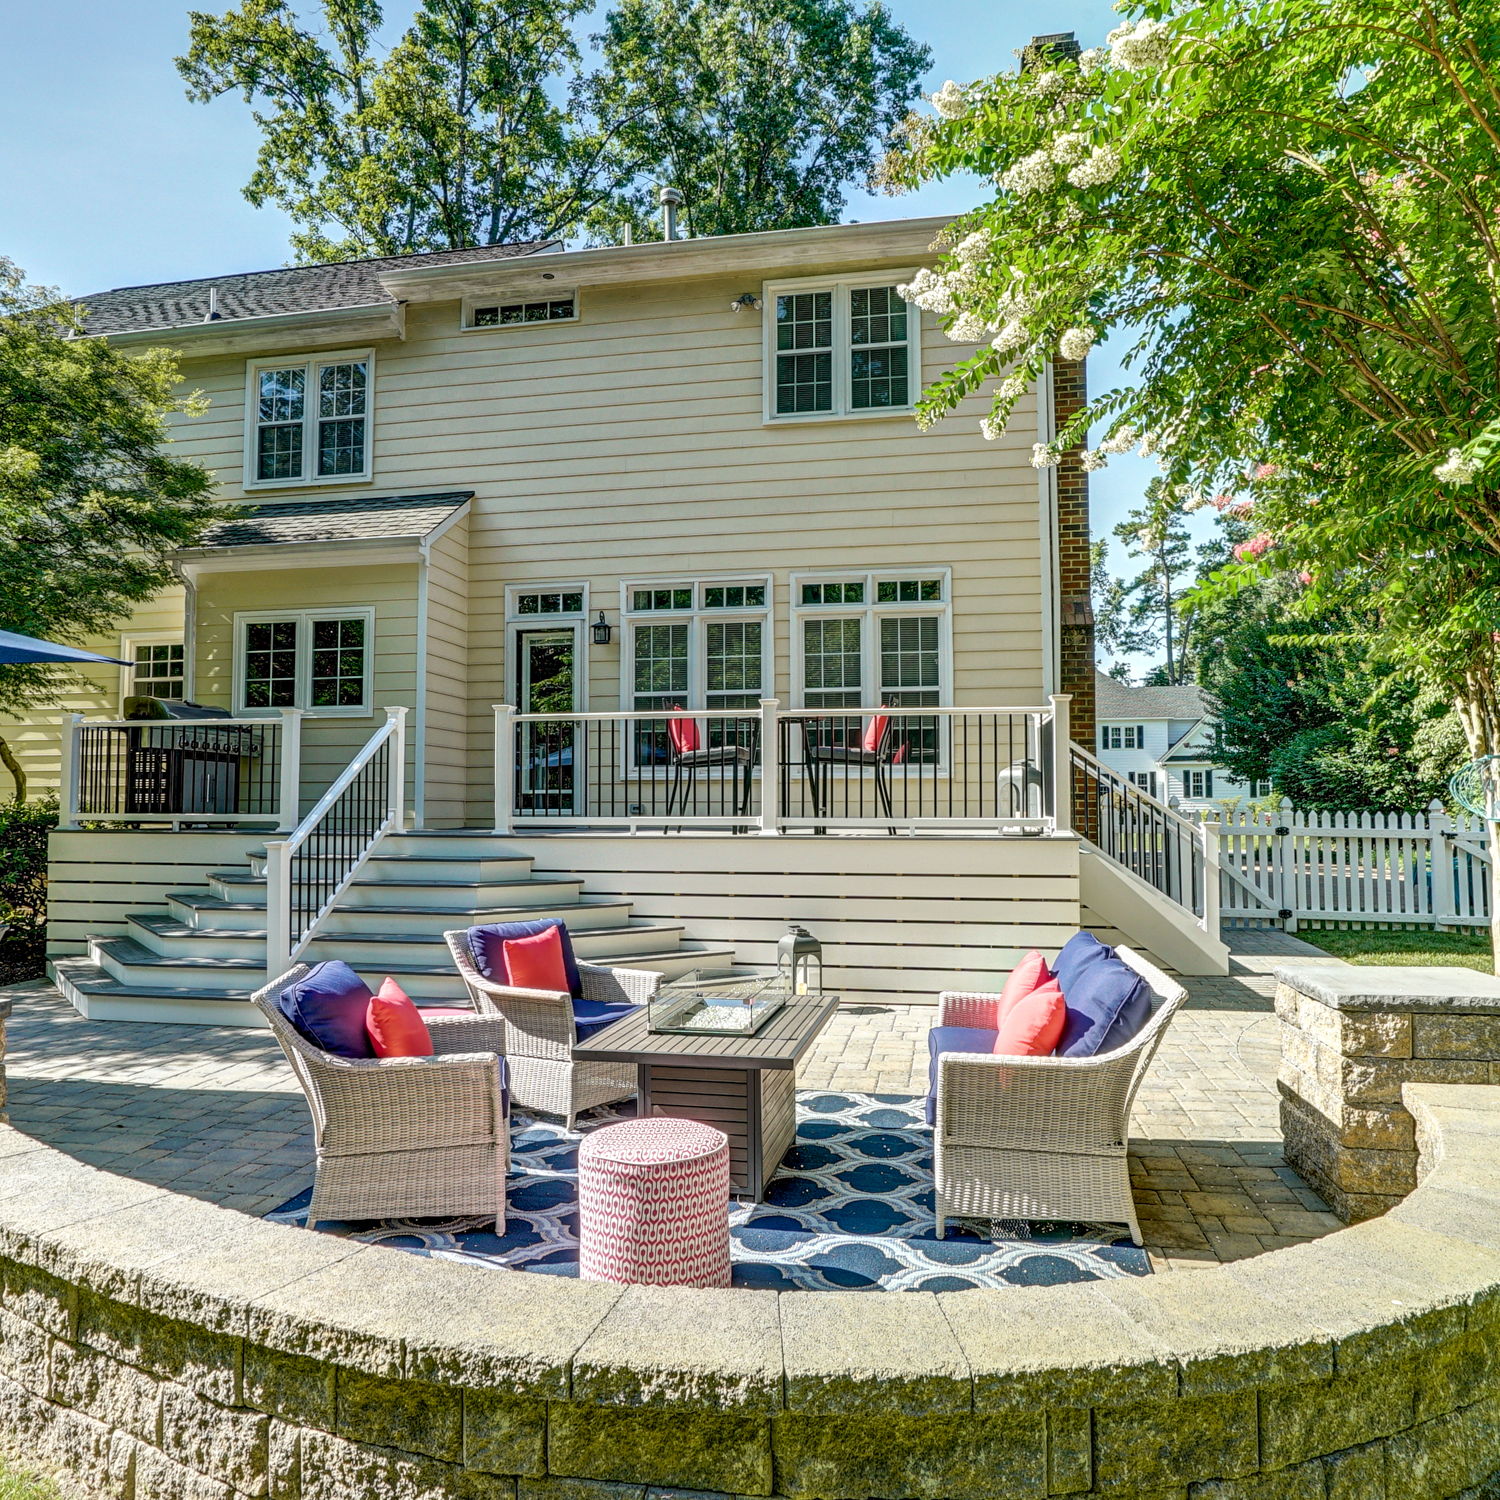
{"type": "Point", "coordinates": [159, 671]}
{"type": "Point", "coordinates": [562, 307]}
{"type": "Point", "coordinates": [309, 421]}
{"type": "Point", "coordinates": [1145, 780]}
{"type": "Point", "coordinates": [319, 660]}
{"type": "Point", "coordinates": [1200, 785]}
{"type": "Point", "coordinates": [847, 348]}
{"type": "Point", "coordinates": [1122, 736]}
{"type": "Point", "coordinates": [693, 644]}
{"type": "Point", "coordinates": [865, 640]}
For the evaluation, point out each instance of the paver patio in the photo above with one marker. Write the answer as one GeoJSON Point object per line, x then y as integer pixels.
{"type": "Point", "coordinates": [214, 1112]}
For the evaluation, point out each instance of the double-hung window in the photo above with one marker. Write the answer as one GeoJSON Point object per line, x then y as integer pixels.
{"type": "Point", "coordinates": [696, 644]}
{"type": "Point", "coordinates": [318, 660]}
{"type": "Point", "coordinates": [308, 421]}
{"type": "Point", "coordinates": [1122, 736]}
{"type": "Point", "coordinates": [1200, 785]}
{"type": "Point", "coordinates": [840, 349]}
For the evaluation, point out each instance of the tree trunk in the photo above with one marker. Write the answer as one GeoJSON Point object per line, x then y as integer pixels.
{"type": "Point", "coordinates": [1477, 704]}
{"type": "Point", "coordinates": [8, 759]}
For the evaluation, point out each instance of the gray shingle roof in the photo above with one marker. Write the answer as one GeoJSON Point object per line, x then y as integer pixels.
{"type": "Point", "coordinates": [369, 518]}
{"type": "Point", "coordinates": [258, 294]}
{"type": "Point", "coordinates": [1114, 700]}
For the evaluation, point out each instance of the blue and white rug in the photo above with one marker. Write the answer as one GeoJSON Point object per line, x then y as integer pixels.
{"type": "Point", "coordinates": [849, 1207]}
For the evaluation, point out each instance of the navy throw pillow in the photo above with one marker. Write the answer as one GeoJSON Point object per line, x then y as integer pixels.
{"type": "Point", "coordinates": [487, 944]}
{"type": "Point", "coordinates": [328, 1006]}
{"type": "Point", "coordinates": [1107, 1004]}
{"type": "Point", "coordinates": [1080, 950]}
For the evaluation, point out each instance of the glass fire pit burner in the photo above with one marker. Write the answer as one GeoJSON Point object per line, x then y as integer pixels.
{"type": "Point", "coordinates": [733, 1002]}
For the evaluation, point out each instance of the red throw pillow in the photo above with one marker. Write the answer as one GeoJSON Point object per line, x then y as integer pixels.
{"type": "Point", "coordinates": [1035, 1024]}
{"type": "Point", "coordinates": [874, 733]}
{"type": "Point", "coordinates": [683, 733]}
{"type": "Point", "coordinates": [1028, 975]}
{"type": "Point", "coordinates": [395, 1025]}
{"type": "Point", "coordinates": [536, 963]}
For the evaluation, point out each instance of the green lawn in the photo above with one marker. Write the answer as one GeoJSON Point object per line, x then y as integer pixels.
{"type": "Point", "coordinates": [18, 1483]}
{"type": "Point", "coordinates": [1414, 945]}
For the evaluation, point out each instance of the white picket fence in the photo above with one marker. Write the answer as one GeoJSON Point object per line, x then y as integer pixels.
{"type": "Point", "coordinates": [1378, 869]}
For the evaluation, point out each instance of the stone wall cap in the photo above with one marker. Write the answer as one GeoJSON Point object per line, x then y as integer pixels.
{"type": "Point", "coordinates": [1390, 987]}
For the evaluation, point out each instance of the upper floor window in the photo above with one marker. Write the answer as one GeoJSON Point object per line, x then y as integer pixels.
{"type": "Point", "coordinates": [840, 349]}
{"type": "Point", "coordinates": [308, 421]}
{"type": "Point", "coordinates": [1122, 736]}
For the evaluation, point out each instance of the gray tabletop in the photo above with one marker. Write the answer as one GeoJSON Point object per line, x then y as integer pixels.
{"type": "Point", "coordinates": [780, 1043]}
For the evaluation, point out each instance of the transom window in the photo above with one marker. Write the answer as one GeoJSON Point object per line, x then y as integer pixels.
{"type": "Point", "coordinates": [319, 660]}
{"type": "Point", "coordinates": [559, 602]}
{"type": "Point", "coordinates": [545, 310]}
{"type": "Point", "coordinates": [870, 641]}
{"type": "Point", "coordinates": [677, 598]}
{"type": "Point", "coordinates": [735, 596]}
{"type": "Point", "coordinates": [1122, 736]}
{"type": "Point", "coordinates": [309, 421]}
{"type": "Point", "coordinates": [159, 671]}
{"type": "Point", "coordinates": [844, 349]}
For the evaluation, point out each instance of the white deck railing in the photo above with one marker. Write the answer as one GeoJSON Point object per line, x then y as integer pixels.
{"type": "Point", "coordinates": [898, 768]}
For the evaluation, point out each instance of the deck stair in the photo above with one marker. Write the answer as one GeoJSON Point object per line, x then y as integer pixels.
{"type": "Point", "coordinates": [198, 962]}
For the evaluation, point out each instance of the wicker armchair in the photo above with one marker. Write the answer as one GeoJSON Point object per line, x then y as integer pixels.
{"type": "Point", "coordinates": [404, 1137]}
{"type": "Point", "coordinates": [539, 1033]}
{"type": "Point", "coordinates": [1041, 1137]}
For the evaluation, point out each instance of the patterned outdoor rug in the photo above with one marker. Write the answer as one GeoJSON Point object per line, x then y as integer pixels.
{"type": "Point", "coordinates": [849, 1207]}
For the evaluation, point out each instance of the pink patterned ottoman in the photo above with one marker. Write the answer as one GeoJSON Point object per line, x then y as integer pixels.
{"type": "Point", "coordinates": [653, 1204]}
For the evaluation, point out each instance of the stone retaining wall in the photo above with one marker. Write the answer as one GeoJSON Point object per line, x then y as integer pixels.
{"type": "Point", "coordinates": [1351, 1036]}
{"type": "Point", "coordinates": [166, 1349]}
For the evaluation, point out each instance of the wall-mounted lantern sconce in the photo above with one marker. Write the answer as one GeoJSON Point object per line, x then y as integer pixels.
{"type": "Point", "coordinates": [745, 300]}
{"type": "Point", "coordinates": [601, 630]}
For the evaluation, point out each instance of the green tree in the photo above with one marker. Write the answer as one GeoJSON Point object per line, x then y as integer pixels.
{"type": "Point", "coordinates": [91, 503]}
{"type": "Point", "coordinates": [1114, 632]}
{"type": "Point", "coordinates": [1157, 532]}
{"type": "Point", "coordinates": [1295, 206]}
{"type": "Point", "coordinates": [454, 138]}
{"type": "Point", "coordinates": [760, 112]}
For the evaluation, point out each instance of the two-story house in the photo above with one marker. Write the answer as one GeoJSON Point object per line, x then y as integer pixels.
{"type": "Point", "coordinates": [678, 477]}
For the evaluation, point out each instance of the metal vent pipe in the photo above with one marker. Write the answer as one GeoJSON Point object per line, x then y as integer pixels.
{"type": "Point", "coordinates": [670, 198]}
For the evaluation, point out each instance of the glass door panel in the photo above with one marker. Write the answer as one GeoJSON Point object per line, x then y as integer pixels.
{"type": "Point", "coordinates": [546, 775]}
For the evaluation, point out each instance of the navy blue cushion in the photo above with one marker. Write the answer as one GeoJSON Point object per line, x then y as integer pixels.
{"type": "Point", "coordinates": [487, 944]}
{"type": "Point", "coordinates": [328, 1006]}
{"type": "Point", "coordinates": [952, 1039]}
{"type": "Point", "coordinates": [592, 1016]}
{"type": "Point", "coordinates": [1108, 1003]}
{"type": "Point", "coordinates": [1080, 950]}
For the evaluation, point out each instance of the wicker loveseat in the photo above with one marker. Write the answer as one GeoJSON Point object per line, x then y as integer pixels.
{"type": "Point", "coordinates": [1040, 1137]}
{"type": "Point", "coordinates": [404, 1137]}
{"type": "Point", "coordinates": [540, 1028]}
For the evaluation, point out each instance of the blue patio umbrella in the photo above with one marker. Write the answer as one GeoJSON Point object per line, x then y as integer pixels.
{"type": "Point", "coordinates": [23, 648]}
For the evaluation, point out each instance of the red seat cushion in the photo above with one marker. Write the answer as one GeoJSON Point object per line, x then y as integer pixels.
{"type": "Point", "coordinates": [874, 733]}
{"type": "Point", "coordinates": [536, 962]}
{"type": "Point", "coordinates": [683, 734]}
{"type": "Point", "coordinates": [1035, 1024]}
{"type": "Point", "coordinates": [395, 1025]}
{"type": "Point", "coordinates": [1028, 975]}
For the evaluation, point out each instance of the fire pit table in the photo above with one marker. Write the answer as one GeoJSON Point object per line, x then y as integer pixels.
{"type": "Point", "coordinates": [742, 1084]}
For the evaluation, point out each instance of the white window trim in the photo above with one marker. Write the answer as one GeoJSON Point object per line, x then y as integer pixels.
{"type": "Point", "coordinates": [304, 618]}
{"type": "Point", "coordinates": [466, 314]}
{"type": "Point", "coordinates": [842, 411]}
{"type": "Point", "coordinates": [698, 619]}
{"type": "Point", "coordinates": [310, 362]}
{"type": "Point", "coordinates": [576, 624]}
{"type": "Point", "coordinates": [871, 612]}
{"type": "Point", "coordinates": [132, 639]}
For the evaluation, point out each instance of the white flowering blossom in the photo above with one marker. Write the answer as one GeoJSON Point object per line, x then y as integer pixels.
{"type": "Point", "coordinates": [1047, 83]}
{"type": "Point", "coordinates": [1149, 537]}
{"type": "Point", "coordinates": [1012, 336]}
{"type": "Point", "coordinates": [1457, 469]}
{"type": "Point", "coordinates": [1121, 440]}
{"type": "Point", "coordinates": [1042, 456]}
{"type": "Point", "coordinates": [1091, 60]}
{"type": "Point", "coordinates": [1139, 45]}
{"type": "Point", "coordinates": [1071, 215]}
{"type": "Point", "coordinates": [1095, 458]}
{"type": "Point", "coordinates": [1150, 442]}
{"type": "Point", "coordinates": [966, 328]}
{"type": "Point", "coordinates": [1070, 146]}
{"type": "Point", "coordinates": [1013, 388]}
{"type": "Point", "coordinates": [972, 247]}
{"type": "Point", "coordinates": [950, 101]}
{"type": "Point", "coordinates": [1195, 500]}
{"type": "Point", "coordinates": [929, 290]}
{"type": "Point", "coordinates": [1100, 166]}
{"type": "Point", "coordinates": [1032, 174]}
{"type": "Point", "coordinates": [991, 427]}
{"type": "Point", "coordinates": [1075, 343]}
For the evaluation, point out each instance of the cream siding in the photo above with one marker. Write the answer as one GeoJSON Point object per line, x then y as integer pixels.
{"type": "Point", "coordinates": [446, 736]}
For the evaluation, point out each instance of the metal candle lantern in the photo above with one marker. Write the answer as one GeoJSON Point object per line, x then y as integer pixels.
{"type": "Point", "coordinates": [799, 959]}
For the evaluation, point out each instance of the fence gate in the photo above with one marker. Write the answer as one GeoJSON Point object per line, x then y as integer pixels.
{"type": "Point", "coordinates": [1407, 869]}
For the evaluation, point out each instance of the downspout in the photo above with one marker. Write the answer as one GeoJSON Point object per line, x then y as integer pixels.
{"type": "Point", "coordinates": [419, 717]}
{"type": "Point", "coordinates": [189, 629]}
{"type": "Point", "coordinates": [1051, 557]}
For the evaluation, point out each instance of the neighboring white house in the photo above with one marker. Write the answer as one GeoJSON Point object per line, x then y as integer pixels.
{"type": "Point", "coordinates": [1163, 739]}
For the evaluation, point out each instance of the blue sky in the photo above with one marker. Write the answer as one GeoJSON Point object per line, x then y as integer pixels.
{"type": "Point", "coordinates": [110, 177]}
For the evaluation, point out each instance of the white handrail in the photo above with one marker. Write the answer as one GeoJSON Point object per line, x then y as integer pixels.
{"type": "Point", "coordinates": [280, 949]}
{"type": "Point", "coordinates": [948, 711]}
